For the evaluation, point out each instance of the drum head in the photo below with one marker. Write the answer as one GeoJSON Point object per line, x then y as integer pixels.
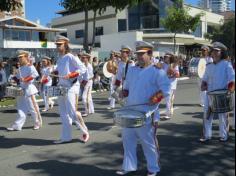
{"type": "Point", "coordinates": [201, 68]}
{"type": "Point", "coordinates": [105, 71]}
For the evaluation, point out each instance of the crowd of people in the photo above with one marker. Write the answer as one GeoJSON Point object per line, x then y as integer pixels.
{"type": "Point", "coordinates": [139, 85]}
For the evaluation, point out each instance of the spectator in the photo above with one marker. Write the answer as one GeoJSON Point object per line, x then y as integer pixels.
{"type": "Point", "coordinates": [3, 81]}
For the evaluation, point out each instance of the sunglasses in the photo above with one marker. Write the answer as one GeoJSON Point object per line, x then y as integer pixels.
{"type": "Point", "coordinates": [59, 44]}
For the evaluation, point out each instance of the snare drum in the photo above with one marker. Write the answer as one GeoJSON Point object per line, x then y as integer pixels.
{"type": "Point", "coordinates": [221, 101]}
{"type": "Point", "coordinates": [14, 91]}
{"type": "Point", "coordinates": [57, 91]}
{"type": "Point", "coordinates": [129, 118]}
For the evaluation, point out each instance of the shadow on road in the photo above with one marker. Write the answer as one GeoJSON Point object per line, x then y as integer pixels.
{"type": "Point", "coordinates": [6, 143]}
{"type": "Point", "coordinates": [58, 168]}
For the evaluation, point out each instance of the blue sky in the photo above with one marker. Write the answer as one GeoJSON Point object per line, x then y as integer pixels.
{"type": "Point", "coordinates": [45, 9]}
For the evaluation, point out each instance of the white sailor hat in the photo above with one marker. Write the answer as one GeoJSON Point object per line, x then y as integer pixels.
{"type": "Point", "coordinates": [125, 48]}
{"type": "Point", "coordinates": [168, 54]}
{"type": "Point", "coordinates": [143, 47]}
{"type": "Point", "coordinates": [219, 46]}
{"type": "Point", "coordinates": [61, 39]}
{"type": "Point", "coordinates": [21, 53]}
{"type": "Point", "coordinates": [205, 47]}
{"type": "Point", "coordinates": [46, 57]}
{"type": "Point", "coordinates": [84, 54]}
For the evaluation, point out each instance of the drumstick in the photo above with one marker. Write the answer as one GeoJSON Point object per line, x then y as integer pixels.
{"type": "Point", "coordinates": [56, 76]}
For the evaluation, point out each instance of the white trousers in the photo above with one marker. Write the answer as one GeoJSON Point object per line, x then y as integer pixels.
{"type": "Point", "coordinates": [87, 98]}
{"type": "Point", "coordinates": [112, 100]}
{"type": "Point", "coordinates": [202, 94]}
{"type": "Point", "coordinates": [25, 105]}
{"type": "Point", "coordinates": [147, 137]}
{"type": "Point", "coordinates": [207, 122]}
{"type": "Point", "coordinates": [46, 99]}
{"type": "Point", "coordinates": [67, 108]}
{"type": "Point", "coordinates": [170, 103]}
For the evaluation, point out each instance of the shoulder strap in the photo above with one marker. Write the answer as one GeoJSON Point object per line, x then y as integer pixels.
{"type": "Point", "coordinates": [126, 69]}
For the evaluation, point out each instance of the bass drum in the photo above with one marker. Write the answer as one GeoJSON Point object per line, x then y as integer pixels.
{"type": "Point", "coordinates": [104, 80]}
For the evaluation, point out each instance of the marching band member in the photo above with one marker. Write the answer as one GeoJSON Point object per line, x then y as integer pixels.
{"type": "Point", "coordinates": [123, 66]}
{"type": "Point", "coordinates": [68, 69]}
{"type": "Point", "coordinates": [46, 82]}
{"type": "Point", "coordinates": [87, 84]}
{"type": "Point", "coordinates": [26, 103]}
{"type": "Point", "coordinates": [112, 67]}
{"type": "Point", "coordinates": [171, 67]}
{"type": "Point", "coordinates": [145, 84]}
{"type": "Point", "coordinates": [218, 75]}
{"type": "Point", "coordinates": [206, 56]}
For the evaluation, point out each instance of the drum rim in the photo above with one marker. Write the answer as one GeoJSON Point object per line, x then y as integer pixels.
{"type": "Point", "coordinates": [209, 93]}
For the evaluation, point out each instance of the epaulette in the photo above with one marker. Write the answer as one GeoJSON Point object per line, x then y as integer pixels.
{"type": "Point", "coordinates": [158, 66]}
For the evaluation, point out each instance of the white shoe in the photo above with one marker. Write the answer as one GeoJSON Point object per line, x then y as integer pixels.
{"type": "Point", "coordinates": [122, 172]}
{"type": "Point", "coordinates": [36, 126]}
{"type": "Point", "coordinates": [44, 110]}
{"type": "Point", "coordinates": [61, 142]}
{"type": "Point", "coordinates": [52, 104]}
{"type": "Point", "coordinates": [204, 140]}
{"type": "Point", "coordinates": [166, 117]}
{"type": "Point", "coordinates": [151, 174]}
{"type": "Point", "coordinates": [85, 138]}
{"type": "Point", "coordinates": [12, 129]}
{"type": "Point", "coordinates": [109, 108]}
{"type": "Point", "coordinates": [84, 115]}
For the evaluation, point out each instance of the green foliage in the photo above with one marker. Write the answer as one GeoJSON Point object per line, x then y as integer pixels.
{"type": "Point", "coordinates": [179, 20]}
{"type": "Point", "coordinates": [8, 5]}
{"type": "Point", "coordinates": [224, 34]}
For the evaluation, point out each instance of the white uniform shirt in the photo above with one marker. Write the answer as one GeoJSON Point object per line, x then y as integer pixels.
{"type": "Point", "coordinates": [88, 75]}
{"type": "Point", "coordinates": [173, 81]}
{"type": "Point", "coordinates": [66, 65]}
{"type": "Point", "coordinates": [46, 72]}
{"type": "Point", "coordinates": [219, 75]}
{"type": "Point", "coordinates": [121, 70]}
{"type": "Point", "coordinates": [28, 87]}
{"type": "Point", "coordinates": [142, 84]}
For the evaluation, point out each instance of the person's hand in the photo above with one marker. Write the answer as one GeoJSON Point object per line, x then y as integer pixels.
{"type": "Point", "coordinates": [156, 99]}
{"type": "Point", "coordinates": [231, 86]}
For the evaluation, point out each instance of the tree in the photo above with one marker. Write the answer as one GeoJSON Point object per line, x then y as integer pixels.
{"type": "Point", "coordinates": [97, 7]}
{"type": "Point", "coordinates": [224, 34]}
{"type": "Point", "coordinates": [179, 20]}
{"type": "Point", "coordinates": [9, 5]}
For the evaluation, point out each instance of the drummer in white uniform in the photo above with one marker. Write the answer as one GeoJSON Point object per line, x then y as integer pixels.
{"type": "Point", "coordinates": [46, 82]}
{"type": "Point", "coordinates": [145, 84]}
{"type": "Point", "coordinates": [87, 84]}
{"type": "Point", "coordinates": [26, 103]}
{"type": "Point", "coordinates": [205, 59]}
{"type": "Point", "coordinates": [68, 69]}
{"type": "Point", "coordinates": [218, 75]}
{"type": "Point", "coordinates": [171, 67]}
{"type": "Point", "coordinates": [123, 66]}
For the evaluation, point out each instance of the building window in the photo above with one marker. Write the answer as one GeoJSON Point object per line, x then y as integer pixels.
{"type": "Point", "coordinates": [122, 25]}
{"type": "Point", "coordinates": [17, 35]}
{"type": "Point", "coordinates": [35, 36]}
{"type": "Point", "coordinates": [198, 31]}
{"type": "Point", "coordinates": [64, 34]}
{"type": "Point", "coordinates": [79, 33]}
{"type": "Point", "coordinates": [99, 31]}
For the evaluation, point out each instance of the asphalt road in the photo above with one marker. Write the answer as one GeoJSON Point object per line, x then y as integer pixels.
{"type": "Point", "coordinates": [32, 153]}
